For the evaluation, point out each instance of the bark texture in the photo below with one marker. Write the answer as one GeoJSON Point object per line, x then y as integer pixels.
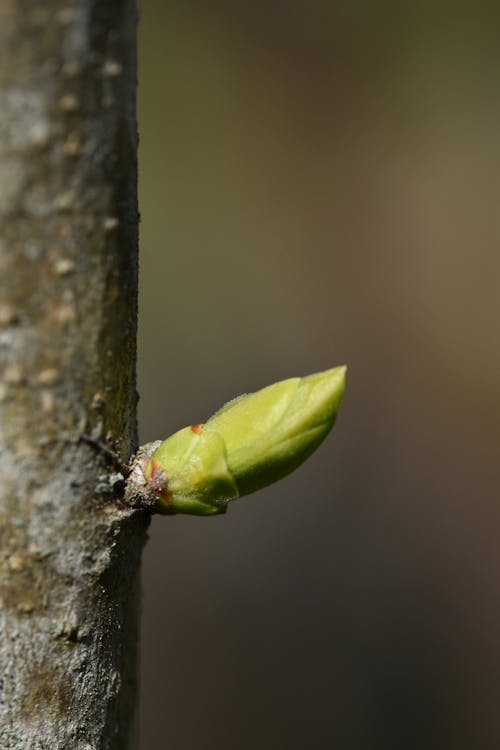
{"type": "Point", "coordinates": [69, 554]}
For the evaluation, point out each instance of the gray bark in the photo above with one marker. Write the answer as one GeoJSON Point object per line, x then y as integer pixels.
{"type": "Point", "coordinates": [69, 553]}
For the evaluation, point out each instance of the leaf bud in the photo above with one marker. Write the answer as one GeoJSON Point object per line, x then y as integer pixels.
{"type": "Point", "coordinates": [249, 443]}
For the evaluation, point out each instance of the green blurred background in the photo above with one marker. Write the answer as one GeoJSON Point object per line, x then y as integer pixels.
{"type": "Point", "coordinates": [320, 184]}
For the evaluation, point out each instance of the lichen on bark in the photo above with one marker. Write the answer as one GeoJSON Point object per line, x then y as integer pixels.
{"type": "Point", "coordinates": [69, 554]}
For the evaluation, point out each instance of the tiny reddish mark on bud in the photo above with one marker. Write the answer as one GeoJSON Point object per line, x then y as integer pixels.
{"type": "Point", "coordinates": [157, 480]}
{"type": "Point", "coordinates": [197, 428]}
{"type": "Point", "coordinates": [157, 473]}
{"type": "Point", "coordinates": [166, 497]}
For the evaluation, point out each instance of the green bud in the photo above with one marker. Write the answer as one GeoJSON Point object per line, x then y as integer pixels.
{"type": "Point", "coordinates": [251, 442]}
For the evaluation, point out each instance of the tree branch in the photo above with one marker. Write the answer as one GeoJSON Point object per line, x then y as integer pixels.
{"type": "Point", "coordinates": [69, 555]}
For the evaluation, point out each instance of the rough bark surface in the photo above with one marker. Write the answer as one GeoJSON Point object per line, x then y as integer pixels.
{"type": "Point", "coordinates": [69, 554]}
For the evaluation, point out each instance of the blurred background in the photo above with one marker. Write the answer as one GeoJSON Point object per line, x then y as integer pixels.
{"type": "Point", "coordinates": [319, 185]}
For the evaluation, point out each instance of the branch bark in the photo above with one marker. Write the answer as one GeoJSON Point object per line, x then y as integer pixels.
{"type": "Point", "coordinates": [69, 554]}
